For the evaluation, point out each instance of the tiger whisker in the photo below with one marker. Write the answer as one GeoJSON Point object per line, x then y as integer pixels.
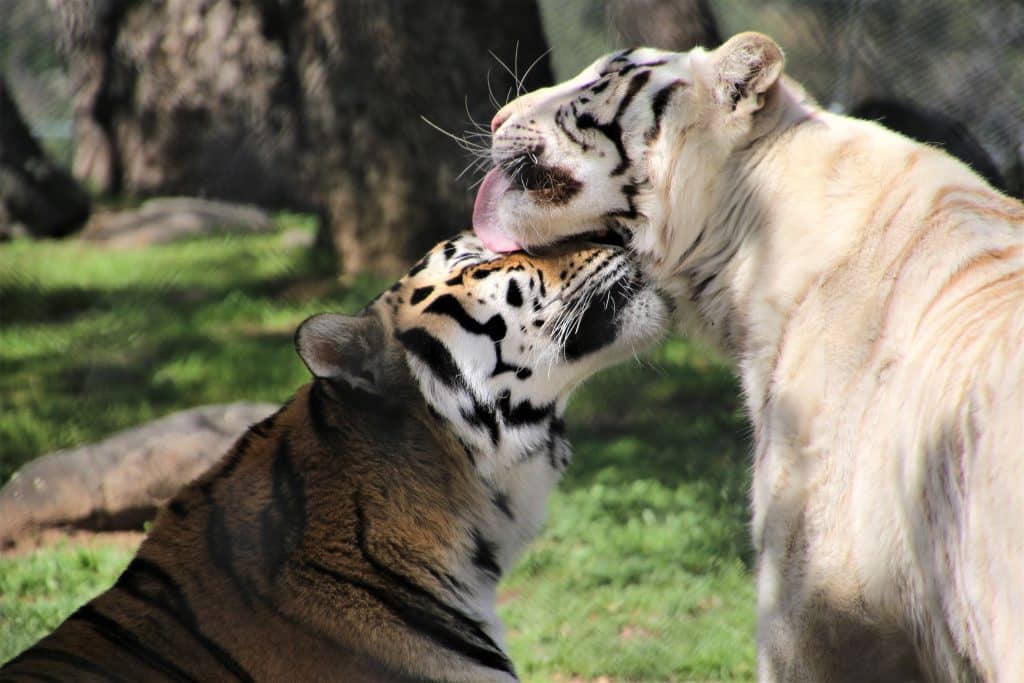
{"type": "Point", "coordinates": [461, 141]}
{"type": "Point", "coordinates": [530, 68]}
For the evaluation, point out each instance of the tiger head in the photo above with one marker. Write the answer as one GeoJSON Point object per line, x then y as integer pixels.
{"type": "Point", "coordinates": [607, 148]}
{"type": "Point", "coordinates": [495, 342]}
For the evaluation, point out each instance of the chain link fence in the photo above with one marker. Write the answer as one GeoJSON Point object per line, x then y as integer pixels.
{"type": "Point", "coordinates": [961, 58]}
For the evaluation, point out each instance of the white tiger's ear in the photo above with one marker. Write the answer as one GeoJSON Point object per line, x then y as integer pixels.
{"type": "Point", "coordinates": [343, 347]}
{"type": "Point", "coordinates": [746, 66]}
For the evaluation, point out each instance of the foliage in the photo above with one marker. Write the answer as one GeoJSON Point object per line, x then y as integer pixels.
{"type": "Point", "coordinates": [643, 571]}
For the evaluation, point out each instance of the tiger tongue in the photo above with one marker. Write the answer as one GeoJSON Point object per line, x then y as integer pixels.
{"type": "Point", "coordinates": [485, 213]}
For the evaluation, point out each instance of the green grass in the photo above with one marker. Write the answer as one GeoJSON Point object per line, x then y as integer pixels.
{"type": "Point", "coordinates": [643, 571]}
{"type": "Point", "coordinates": [38, 591]}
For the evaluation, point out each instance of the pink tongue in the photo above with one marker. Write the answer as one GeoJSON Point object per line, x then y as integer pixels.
{"type": "Point", "coordinates": [485, 213]}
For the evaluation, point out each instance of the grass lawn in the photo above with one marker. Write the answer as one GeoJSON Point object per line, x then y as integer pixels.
{"type": "Point", "coordinates": [643, 571]}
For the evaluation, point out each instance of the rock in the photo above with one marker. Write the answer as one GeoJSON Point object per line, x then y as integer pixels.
{"type": "Point", "coordinates": [169, 219]}
{"type": "Point", "coordinates": [119, 482]}
{"type": "Point", "coordinates": [314, 105]}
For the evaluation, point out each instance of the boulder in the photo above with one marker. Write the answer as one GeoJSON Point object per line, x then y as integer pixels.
{"type": "Point", "coordinates": [119, 482]}
{"type": "Point", "coordinates": [169, 219]}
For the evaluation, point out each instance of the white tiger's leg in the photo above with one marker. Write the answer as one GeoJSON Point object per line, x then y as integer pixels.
{"type": "Point", "coordinates": [808, 628]}
{"type": "Point", "coordinates": [802, 638]}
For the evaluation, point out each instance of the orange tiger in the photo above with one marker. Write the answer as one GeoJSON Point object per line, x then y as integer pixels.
{"type": "Point", "coordinates": [359, 533]}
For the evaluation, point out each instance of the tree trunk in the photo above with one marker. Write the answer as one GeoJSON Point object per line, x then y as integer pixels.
{"type": "Point", "coordinates": [192, 97]}
{"type": "Point", "coordinates": [36, 195]}
{"type": "Point", "coordinates": [667, 24]}
{"type": "Point", "coordinates": [312, 104]}
{"type": "Point", "coordinates": [371, 72]}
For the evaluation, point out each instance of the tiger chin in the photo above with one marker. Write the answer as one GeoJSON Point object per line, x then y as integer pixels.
{"type": "Point", "coordinates": [359, 533]}
{"type": "Point", "coordinates": [870, 291]}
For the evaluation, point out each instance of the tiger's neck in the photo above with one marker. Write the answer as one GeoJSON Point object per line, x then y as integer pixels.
{"type": "Point", "coordinates": [785, 212]}
{"type": "Point", "coordinates": [517, 452]}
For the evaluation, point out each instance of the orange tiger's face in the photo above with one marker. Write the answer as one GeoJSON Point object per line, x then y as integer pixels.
{"type": "Point", "coordinates": [528, 327]}
{"type": "Point", "coordinates": [497, 342]}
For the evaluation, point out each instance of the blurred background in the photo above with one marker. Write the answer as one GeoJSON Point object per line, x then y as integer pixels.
{"type": "Point", "coordinates": [183, 181]}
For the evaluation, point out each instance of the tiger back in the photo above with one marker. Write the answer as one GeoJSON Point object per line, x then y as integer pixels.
{"type": "Point", "coordinates": [358, 534]}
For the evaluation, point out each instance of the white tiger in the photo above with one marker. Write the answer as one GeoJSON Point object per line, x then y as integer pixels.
{"type": "Point", "coordinates": [870, 290]}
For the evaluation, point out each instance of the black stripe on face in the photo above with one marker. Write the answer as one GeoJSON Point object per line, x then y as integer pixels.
{"type": "Point", "coordinates": [597, 327]}
{"type": "Point", "coordinates": [485, 555]}
{"type": "Point", "coordinates": [449, 251]}
{"type": "Point", "coordinates": [420, 265]}
{"type": "Point", "coordinates": [526, 413]}
{"type": "Point", "coordinates": [612, 129]}
{"type": "Point", "coordinates": [629, 191]}
{"type": "Point", "coordinates": [430, 351]}
{"type": "Point", "coordinates": [419, 294]}
{"type": "Point", "coordinates": [448, 305]}
{"type": "Point", "coordinates": [125, 640]}
{"type": "Point", "coordinates": [658, 105]}
{"type": "Point", "coordinates": [482, 416]}
{"type": "Point", "coordinates": [71, 660]}
{"type": "Point", "coordinates": [560, 117]}
{"type": "Point", "coordinates": [523, 413]}
{"type": "Point", "coordinates": [514, 296]}
{"type": "Point", "coordinates": [150, 584]}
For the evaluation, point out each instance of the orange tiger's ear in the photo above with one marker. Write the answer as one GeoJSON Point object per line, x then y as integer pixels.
{"type": "Point", "coordinates": [746, 66]}
{"type": "Point", "coordinates": [343, 347]}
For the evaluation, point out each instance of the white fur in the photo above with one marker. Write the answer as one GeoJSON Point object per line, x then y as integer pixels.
{"type": "Point", "coordinates": [871, 292]}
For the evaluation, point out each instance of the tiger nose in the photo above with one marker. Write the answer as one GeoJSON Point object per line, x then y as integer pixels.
{"type": "Point", "coordinates": [498, 119]}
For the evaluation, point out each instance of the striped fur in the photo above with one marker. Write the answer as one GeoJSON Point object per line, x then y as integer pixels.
{"type": "Point", "coordinates": [358, 534]}
{"type": "Point", "coordinates": [870, 290]}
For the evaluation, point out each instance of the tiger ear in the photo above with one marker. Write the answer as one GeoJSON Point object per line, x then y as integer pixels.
{"type": "Point", "coordinates": [746, 66]}
{"type": "Point", "coordinates": [346, 347]}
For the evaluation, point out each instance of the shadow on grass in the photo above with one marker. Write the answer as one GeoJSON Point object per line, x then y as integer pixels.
{"type": "Point", "coordinates": [676, 422]}
{"type": "Point", "coordinates": [84, 361]}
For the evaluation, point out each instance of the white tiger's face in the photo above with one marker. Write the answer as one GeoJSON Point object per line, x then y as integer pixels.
{"type": "Point", "coordinates": [574, 158]}
{"type": "Point", "coordinates": [640, 143]}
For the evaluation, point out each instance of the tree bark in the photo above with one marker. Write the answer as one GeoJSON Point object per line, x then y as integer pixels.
{"type": "Point", "coordinates": [193, 97]}
{"type": "Point", "coordinates": [666, 24]}
{"type": "Point", "coordinates": [36, 195]}
{"type": "Point", "coordinates": [313, 104]}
